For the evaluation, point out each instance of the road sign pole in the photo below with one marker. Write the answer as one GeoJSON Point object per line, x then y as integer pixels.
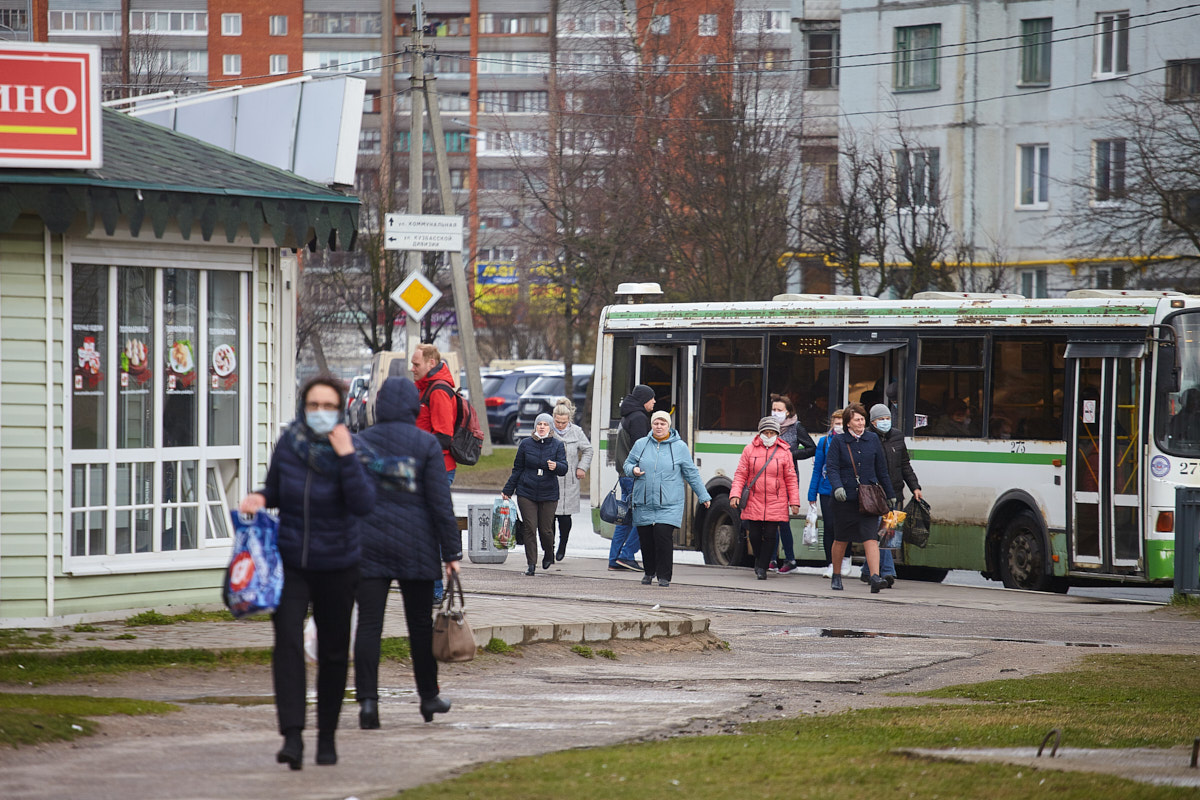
{"type": "Point", "coordinates": [416, 166]}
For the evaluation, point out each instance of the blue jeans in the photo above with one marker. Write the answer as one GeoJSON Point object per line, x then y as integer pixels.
{"type": "Point", "coordinates": [625, 540]}
{"type": "Point", "coordinates": [787, 541]}
{"type": "Point", "coordinates": [437, 585]}
{"type": "Point", "coordinates": [887, 564]}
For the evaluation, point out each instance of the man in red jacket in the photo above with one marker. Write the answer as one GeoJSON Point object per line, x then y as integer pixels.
{"type": "Point", "coordinates": [439, 408]}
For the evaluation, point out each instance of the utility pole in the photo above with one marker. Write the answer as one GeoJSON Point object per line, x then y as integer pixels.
{"type": "Point", "coordinates": [416, 159]}
{"type": "Point", "coordinates": [458, 278]}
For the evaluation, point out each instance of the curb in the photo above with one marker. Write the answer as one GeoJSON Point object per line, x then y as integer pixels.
{"type": "Point", "coordinates": [632, 628]}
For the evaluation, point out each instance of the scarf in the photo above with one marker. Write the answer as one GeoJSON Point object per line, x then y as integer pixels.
{"type": "Point", "coordinates": [395, 473]}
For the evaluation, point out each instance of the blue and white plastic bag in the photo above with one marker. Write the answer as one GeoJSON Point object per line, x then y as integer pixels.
{"type": "Point", "coordinates": [254, 579]}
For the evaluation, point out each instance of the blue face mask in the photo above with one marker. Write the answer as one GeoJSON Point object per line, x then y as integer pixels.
{"type": "Point", "coordinates": [321, 422]}
{"type": "Point", "coordinates": [883, 425]}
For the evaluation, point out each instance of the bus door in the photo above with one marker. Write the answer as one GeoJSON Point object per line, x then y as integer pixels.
{"type": "Point", "coordinates": [871, 372]}
{"type": "Point", "coordinates": [668, 370]}
{"type": "Point", "coordinates": [1104, 520]}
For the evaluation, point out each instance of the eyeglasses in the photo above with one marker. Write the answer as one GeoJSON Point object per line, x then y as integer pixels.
{"type": "Point", "coordinates": [321, 406]}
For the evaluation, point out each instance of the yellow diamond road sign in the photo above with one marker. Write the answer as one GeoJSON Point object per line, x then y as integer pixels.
{"type": "Point", "coordinates": [416, 295]}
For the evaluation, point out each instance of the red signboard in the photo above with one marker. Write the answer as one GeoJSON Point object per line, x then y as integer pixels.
{"type": "Point", "coordinates": [49, 105]}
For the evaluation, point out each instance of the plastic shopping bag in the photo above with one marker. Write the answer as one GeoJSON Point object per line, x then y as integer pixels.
{"type": "Point", "coordinates": [254, 578]}
{"type": "Point", "coordinates": [310, 636]}
{"type": "Point", "coordinates": [810, 528]}
{"type": "Point", "coordinates": [504, 524]}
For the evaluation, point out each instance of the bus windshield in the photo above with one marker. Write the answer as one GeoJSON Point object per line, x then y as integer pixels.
{"type": "Point", "coordinates": [1178, 413]}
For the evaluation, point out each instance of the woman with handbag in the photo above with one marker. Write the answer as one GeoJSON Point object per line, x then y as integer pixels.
{"type": "Point", "coordinates": [765, 489]}
{"type": "Point", "coordinates": [579, 459]}
{"type": "Point", "coordinates": [539, 462]}
{"type": "Point", "coordinates": [858, 473]}
{"type": "Point", "coordinates": [318, 483]}
{"type": "Point", "coordinates": [406, 539]}
{"type": "Point", "coordinates": [660, 463]}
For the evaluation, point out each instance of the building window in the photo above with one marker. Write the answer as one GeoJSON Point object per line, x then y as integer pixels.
{"type": "Point", "coordinates": [514, 23]}
{"type": "Point", "coordinates": [513, 102]}
{"type": "Point", "coordinates": [1035, 51]}
{"type": "Point", "coordinates": [1112, 44]}
{"type": "Point", "coordinates": [231, 64]}
{"type": "Point", "coordinates": [1033, 176]}
{"type": "Point", "coordinates": [1110, 278]}
{"type": "Point", "coordinates": [1033, 283]}
{"type": "Point", "coordinates": [173, 23]}
{"type": "Point", "coordinates": [820, 183]}
{"type": "Point", "coordinates": [513, 63]}
{"type": "Point", "coordinates": [369, 140]}
{"type": "Point", "coordinates": [661, 25]}
{"type": "Point", "coordinates": [1183, 80]}
{"type": "Point", "coordinates": [277, 25]}
{"type": "Point", "coordinates": [822, 59]}
{"type": "Point", "coordinates": [917, 178]}
{"type": "Point", "coordinates": [361, 61]}
{"type": "Point", "coordinates": [1108, 169]}
{"type": "Point", "coordinates": [157, 414]}
{"type": "Point", "coordinates": [231, 24]}
{"type": "Point", "coordinates": [342, 23]}
{"type": "Point", "coordinates": [84, 22]}
{"type": "Point", "coordinates": [761, 21]}
{"type": "Point", "coordinates": [916, 65]}
{"type": "Point", "coordinates": [278, 64]}
{"type": "Point", "coordinates": [708, 25]}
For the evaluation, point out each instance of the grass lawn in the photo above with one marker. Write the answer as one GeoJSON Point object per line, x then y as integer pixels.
{"type": "Point", "coordinates": [1111, 701]}
{"type": "Point", "coordinates": [490, 473]}
{"type": "Point", "coordinates": [27, 719]}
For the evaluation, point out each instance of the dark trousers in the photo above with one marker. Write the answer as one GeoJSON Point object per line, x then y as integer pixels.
{"type": "Point", "coordinates": [540, 516]}
{"type": "Point", "coordinates": [332, 597]}
{"type": "Point", "coordinates": [564, 528]}
{"type": "Point", "coordinates": [762, 540]}
{"type": "Point", "coordinates": [827, 526]}
{"type": "Point", "coordinates": [418, 614]}
{"type": "Point", "coordinates": [658, 549]}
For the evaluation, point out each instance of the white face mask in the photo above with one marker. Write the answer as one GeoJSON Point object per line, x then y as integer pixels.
{"type": "Point", "coordinates": [838, 428]}
{"type": "Point", "coordinates": [779, 415]}
{"type": "Point", "coordinates": [767, 439]}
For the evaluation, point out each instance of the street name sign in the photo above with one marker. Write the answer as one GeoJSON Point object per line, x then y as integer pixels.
{"type": "Point", "coordinates": [49, 105]}
{"type": "Point", "coordinates": [428, 232]}
{"type": "Point", "coordinates": [416, 295]}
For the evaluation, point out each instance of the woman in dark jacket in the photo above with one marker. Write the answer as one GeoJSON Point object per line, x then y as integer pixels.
{"type": "Point", "coordinates": [317, 482]}
{"type": "Point", "coordinates": [900, 472]}
{"type": "Point", "coordinates": [865, 449]}
{"type": "Point", "coordinates": [540, 460]}
{"type": "Point", "coordinates": [412, 523]}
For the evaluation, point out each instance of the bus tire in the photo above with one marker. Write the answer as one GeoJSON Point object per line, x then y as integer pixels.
{"type": "Point", "coordinates": [723, 543]}
{"type": "Point", "coordinates": [1023, 555]}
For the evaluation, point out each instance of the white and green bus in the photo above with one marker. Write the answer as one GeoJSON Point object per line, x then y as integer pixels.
{"type": "Point", "coordinates": [1082, 416]}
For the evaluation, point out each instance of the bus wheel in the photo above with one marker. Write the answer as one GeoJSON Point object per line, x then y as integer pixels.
{"type": "Point", "coordinates": [723, 544]}
{"type": "Point", "coordinates": [1023, 555]}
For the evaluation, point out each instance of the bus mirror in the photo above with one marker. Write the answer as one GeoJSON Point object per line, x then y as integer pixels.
{"type": "Point", "coordinates": [1168, 369]}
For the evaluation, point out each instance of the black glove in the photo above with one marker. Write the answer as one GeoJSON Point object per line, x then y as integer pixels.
{"type": "Point", "coordinates": [839, 494]}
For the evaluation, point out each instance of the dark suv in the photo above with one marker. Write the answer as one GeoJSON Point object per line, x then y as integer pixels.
{"type": "Point", "coordinates": [501, 391]}
{"type": "Point", "coordinates": [540, 396]}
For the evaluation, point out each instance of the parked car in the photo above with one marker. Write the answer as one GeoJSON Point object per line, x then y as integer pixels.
{"type": "Point", "coordinates": [356, 403]}
{"type": "Point", "coordinates": [540, 396]}
{"type": "Point", "coordinates": [501, 391]}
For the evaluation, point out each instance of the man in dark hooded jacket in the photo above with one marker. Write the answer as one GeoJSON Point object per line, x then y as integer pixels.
{"type": "Point", "coordinates": [635, 424]}
{"type": "Point", "coordinates": [406, 538]}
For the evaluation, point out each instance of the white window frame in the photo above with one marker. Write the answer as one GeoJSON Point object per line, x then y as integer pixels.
{"type": "Point", "coordinates": [1033, 282]}
{"type": "Point", "coordinates": [231, 64]}
{"type": "Point", "coordinates": [707, 25]}
{"type": "Point", "coordinates": [1108, 167]}
{"type": "Point", "coordinates": [925, 164]}
{"type": "Point", "coordinates": [660, 24]}
{"type": "Point", "coordinates": [277, 25]}
{"type": "Point", "coordinates": [231, 24]}
{"type": "Point", "coordinates": [1033, 175]}
{"type": "Point", "coordinates": [278, 64]}
{"type": "Point", "coordinates": [1112, 45]}
{"type": "Point", "coordinates": [209, 552]}
{"type": "Point", "coordinates": [169, 23]}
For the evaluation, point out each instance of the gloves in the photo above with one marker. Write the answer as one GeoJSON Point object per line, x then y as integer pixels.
{"type": "Point", "coordinates": [892, 503]}
{"type": "Point", "coordinates": [839, 494]}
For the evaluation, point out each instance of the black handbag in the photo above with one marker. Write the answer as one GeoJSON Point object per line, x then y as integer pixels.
{"type": "Point", "coordinates": [871, 499]}
{"type": "Point", "coordinates": [614, 509]}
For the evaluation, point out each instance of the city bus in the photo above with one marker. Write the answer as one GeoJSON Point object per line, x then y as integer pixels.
{"type": "Point", "coordinates": [1049, 435]}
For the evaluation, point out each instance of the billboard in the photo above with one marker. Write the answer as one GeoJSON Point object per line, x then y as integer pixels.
{"type": "Point", "coordinates": [49, 105]}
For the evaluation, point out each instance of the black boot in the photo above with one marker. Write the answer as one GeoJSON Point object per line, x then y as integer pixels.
{"type": "Point", "coordinates": [548, 561]}
{"type": "Point", "coordinates": [368, 715]}
{"type": "Point", "coordinates": [761, 574]}
{"type": "Point", "coordinates": [292, 752]}
{"type": "Point", "coordinates": [836, 582]}
{"type": "Point", "coordinates": [326, 751]}
{"type": "Point", "coordinates": [434, 705]}
{"type": "Point", "coordinates": [562, 547]}
{"type": "Point", "coordinates": [877, 583]}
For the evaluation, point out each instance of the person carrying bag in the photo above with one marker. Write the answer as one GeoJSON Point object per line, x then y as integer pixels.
{"type": "Point", "coordinates": [765, 503]}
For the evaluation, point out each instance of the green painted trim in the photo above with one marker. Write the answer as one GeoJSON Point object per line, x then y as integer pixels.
{"type": "Point", "coordinates": [712, 447]}
{"type": "Point", "coordinates": [643, 313]}
{"type": "Point", "coordinates": [1160, 559]}
{"type": "Point", "coordinates": [1058, 547]}
{"type": "Point", "coordinates": [979, 457]}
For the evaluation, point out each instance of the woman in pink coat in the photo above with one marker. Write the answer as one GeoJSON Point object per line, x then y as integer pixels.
{"type": "Point", "coordinates": [766, 467]}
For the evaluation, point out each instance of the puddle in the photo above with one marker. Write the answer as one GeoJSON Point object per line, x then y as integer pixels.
{"type": "Point", "coordinates": [850, 633]}
{"type": "Point", "coordinates": [233, 700]}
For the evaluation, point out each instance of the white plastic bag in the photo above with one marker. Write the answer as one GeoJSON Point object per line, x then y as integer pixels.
{"type": "Point", "coordinates": [310, 636]}
{"type": "Point", "coordinates": [810, 529]}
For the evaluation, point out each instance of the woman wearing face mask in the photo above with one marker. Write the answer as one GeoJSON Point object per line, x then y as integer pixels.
{"type": "Point", "coordinates": [765, 467]}
{"type": "Point", "coordinates": [818, 487]}
{"type": "Point", "coordinates": [660, 462]}
{"type": "Point", "coordinates": [802, 447]}
{"type": "Point", "coordinates": [318, 484]}
{"type": "Point", "coordinates": [900, 471]}
{"type": "Point", "coordinates": [855, 458]}
{"type": "Point", "coordinates": [540, 460]}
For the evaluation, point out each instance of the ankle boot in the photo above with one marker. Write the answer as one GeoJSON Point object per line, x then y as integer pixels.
{"type": "Point", "coordinates": [292, 752]}
{"type": "Point", "coordinates": [326, 751]}
{"type": "Point", "coordinates": [433, 705]}
{"type": "Point", "coordinates": [368, 715]}
{"type": "Point", "coordinates": [836, 582]}
{"type": "Point", "coordinates": [562, 547]}
{"type": "Point", "coordinates": [877, 583]}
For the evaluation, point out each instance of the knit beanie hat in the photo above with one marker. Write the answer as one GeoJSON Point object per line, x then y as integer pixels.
{"type": "Point", "coordinates": [768, 424]}
{"type": "Point", "coordinates": [544, 417]}
{"type": "Point", "coordinates": [879, 410]}
{"type": "Point", "coordinates": [642, 393]}
{"type": "Point", "coordinates": [660, 415]}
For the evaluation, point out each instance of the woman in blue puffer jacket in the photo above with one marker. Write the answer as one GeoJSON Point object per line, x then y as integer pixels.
{"type": "Point", "coordinates": [318, 483]}
{"type": "Point", "coordinates": [540, 460]}
{"type": "Point", "coordinates": [660, 463]}
{"type": "Point", "coordinates": [408, 536]}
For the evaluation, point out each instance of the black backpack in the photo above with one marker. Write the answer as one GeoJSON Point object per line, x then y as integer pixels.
{"type": "Point", "coordinates": [622, 447]}
{"type": "Point", "coordinates": [466, 443]}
